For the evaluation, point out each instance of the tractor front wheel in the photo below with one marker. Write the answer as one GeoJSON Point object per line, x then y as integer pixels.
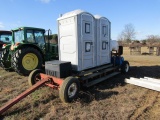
{"type": "Point", "coordinates": [26, 59]}
{"type": "Point", "coordinates": [4, 59]}
{"type": "Point", "coordinates": [69, 89]}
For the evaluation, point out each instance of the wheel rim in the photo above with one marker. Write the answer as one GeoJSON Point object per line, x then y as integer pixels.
{"type": "Point", "coordinates": [30, 61]}
{"type": "Point", "coordinates": [72, 90]}
{"type": "Point", "coordinates": [37, 78]}
{"type": "Point", "coordinates": [126, 67]}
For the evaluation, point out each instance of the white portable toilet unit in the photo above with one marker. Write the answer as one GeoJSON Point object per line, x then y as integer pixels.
{"type": "Point", "coordinates": [76, 31]}
{"type": "Point", "coordinates": [103, 38]}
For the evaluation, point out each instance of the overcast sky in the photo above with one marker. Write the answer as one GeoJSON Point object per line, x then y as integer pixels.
{"type": "Point", "coordinates": [143, 14]}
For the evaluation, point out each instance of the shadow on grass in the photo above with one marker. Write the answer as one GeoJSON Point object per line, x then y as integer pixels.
{"type": "Point", "coordinates": [87, 95]}
{"type": "Point", "coordinates": [135, 71]}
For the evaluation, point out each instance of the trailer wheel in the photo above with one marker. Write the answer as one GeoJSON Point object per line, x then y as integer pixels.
{"type": "Point", "coordinates": [69, 89]}
{"type": "Point", "coordinates": [4, 63]}
{"type": "Point", "coordinates": [125, 67]}
{"type": "Point", "coordinates": [34, 76]}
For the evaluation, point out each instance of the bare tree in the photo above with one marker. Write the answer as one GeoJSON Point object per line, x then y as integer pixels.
{"type": "Point", "coordinates": [153, 38]}
{"type": "Point", "coordinates": [120, 39]}
{"type": "Point", "coordinates": [128, 33]}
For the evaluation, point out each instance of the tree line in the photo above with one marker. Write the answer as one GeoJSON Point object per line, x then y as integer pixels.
{"type": "Point", "coordinates": [128, 35]}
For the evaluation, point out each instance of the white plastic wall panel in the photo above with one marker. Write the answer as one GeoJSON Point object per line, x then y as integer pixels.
{"type": "Point", "coordinates": [67, 42]}
{"type": "Point", "coordinates": [149, 83]}
{"type": "Point", "coordinates": [103, 27]}
{"type": "Point", "coordinates": [77, 39]}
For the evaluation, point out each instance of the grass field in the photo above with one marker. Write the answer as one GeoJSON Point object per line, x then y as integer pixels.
{"type": "Point", "coordinates": [112, 99]}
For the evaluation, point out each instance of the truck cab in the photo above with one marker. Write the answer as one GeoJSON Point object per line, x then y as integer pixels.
{"type": "Point", "coordinates": [5, 38]}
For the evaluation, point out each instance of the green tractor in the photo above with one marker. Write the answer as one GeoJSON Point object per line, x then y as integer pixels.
{"type": "Point", "coordinates": [28, 50]}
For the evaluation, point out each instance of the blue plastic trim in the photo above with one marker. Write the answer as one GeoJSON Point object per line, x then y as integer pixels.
{"type": "Point", "coordinates": [117, 60]}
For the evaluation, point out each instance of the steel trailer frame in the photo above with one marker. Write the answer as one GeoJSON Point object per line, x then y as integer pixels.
{"type": "Point", "coordinates": [65, 86]}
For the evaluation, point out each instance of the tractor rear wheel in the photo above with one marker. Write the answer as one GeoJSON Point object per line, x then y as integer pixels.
{"type": "Point", "coordinates": [69, 89]}
{"type": "Point", "coordinates": [26, 59]}
{"type": "Point", "coordinates": [34, 76]}
{"type": "Point", "coordinates": [4, 61]}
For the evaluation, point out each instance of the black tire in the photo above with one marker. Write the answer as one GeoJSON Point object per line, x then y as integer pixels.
{"type": "Point", "coordinates": [34, 77]}
{"type": "Point", "coordinates": [17, 60]}
{"type": "Point", "coordinates": [125, 67]}
{"type": "Point", "coordinates": [4, 63]}
{"type": "Point", "coordinates": [72, 85]}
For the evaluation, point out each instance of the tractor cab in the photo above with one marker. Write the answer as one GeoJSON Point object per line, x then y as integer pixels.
{"type": "Point", "coordinates": [28, 35]}
{"type": "Point", "coordinates": [51, 46]}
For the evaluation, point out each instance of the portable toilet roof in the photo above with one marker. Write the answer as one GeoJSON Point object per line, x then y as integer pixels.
{"type": "Point", "coordinates": [99, 16]}
{"type": "Point", "coordinates": [73, 13]}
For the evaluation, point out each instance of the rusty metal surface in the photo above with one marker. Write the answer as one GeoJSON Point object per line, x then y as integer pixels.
{"type": "Point", "coordinates": [54, 80]}
{"type": "Point", "coordinates": [50, 81]}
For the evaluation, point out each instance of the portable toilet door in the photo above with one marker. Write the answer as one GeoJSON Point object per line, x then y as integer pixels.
{"type": "Point", "coordinates": [88, 40]}
{"type": "Point", "coordinates": [103, 40]}
{"type": "Point", "coordinates": [76, 31]}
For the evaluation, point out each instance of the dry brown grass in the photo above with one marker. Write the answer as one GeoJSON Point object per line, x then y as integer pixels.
{"type": "Point", "coordinates": [112, 99]}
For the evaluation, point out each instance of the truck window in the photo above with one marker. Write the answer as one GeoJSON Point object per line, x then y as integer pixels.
{"type": "Point", "coordinates": [5, 38]}
{"type": "Point", "coordinates": [39, 37]}
{"type": "Point", "coordinates": [30, 36]}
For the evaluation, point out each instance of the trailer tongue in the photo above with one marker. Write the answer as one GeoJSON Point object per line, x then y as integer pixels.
{"type": "Point", "coordinates": [52, 82]}
{"type": "Point", "coordinates": [22, 95]}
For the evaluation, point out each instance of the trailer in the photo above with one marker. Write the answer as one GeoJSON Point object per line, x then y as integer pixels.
{"type": "Point", "coordinates": [79, 63]}
{"type": "Point", "coordinates": [69, 86]}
